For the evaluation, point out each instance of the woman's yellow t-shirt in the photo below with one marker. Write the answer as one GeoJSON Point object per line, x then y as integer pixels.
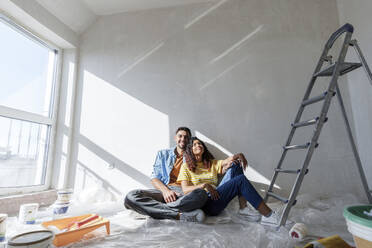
{"type": "Point", "coordinates": [201, 174]}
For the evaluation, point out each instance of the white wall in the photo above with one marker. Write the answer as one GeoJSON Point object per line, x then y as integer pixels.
{"type": "Point", "coordinates": [233, 71]}
{"type": "Point", "coordinates": [358, 13]}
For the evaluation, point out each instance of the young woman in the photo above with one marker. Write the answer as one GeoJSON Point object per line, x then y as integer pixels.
{"type": "Point", "coordinates": [201, 171]}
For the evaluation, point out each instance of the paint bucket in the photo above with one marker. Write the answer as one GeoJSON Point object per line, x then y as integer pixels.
{"type": "Point", "coordinates": [27, 213]}
{"type": "Point", "coordinates": [35, 239]}
{"type": "Point", "coordinates": [3, 218]}
{"type": "Point", "coordinates": [359, 224]}
{"type": "Point", "coordinates": [64, 195]}
{"type": "Point", "coordinates": [60, 208]}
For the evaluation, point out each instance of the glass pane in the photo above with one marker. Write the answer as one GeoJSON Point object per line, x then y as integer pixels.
{"type": "Point", "coordinates": [26, 69]}
{"type": "Point", "coordinates": [23, 152]}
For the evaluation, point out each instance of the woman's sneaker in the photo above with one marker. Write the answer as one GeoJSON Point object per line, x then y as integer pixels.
{"type": "Point", "coordinates": [271, 220]}
{"type": "Point", "coordinates": [192, 216]}
{"type": "Point", "coordinates": [250, 214]}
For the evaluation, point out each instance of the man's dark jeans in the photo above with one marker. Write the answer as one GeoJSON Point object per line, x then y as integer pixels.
{"type": "Point", "coordinates": [151, 202]}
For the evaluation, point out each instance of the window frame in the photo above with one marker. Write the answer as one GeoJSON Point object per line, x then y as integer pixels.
{"type": "Point", "coordinates": [50, 121]}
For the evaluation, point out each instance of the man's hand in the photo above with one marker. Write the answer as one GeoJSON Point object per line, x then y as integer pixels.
{"type": "Point", "coordinates": [212, 191]}
{"type": "Point", "coordinates": [169, 195]}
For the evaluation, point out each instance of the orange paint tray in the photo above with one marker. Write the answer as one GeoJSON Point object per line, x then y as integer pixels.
{"type": "Point", "coordinates": [64, 238]}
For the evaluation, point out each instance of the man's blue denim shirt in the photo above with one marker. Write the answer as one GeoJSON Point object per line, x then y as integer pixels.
{"type": "Point", "coordinates": [163, 166]}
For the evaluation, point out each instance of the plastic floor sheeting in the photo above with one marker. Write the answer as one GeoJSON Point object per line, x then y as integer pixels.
{"type": "Point", "coordinates": [323, 218]}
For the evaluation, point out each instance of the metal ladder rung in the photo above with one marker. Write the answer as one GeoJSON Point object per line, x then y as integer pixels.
{"type": "Point", "coordinates": [345, 68]}
{"type": "Point", "coordinates": [316, 98]}
{"type": "Point", "coordinates": [278, 197]}
{"type": "Point", "coordinates": [307, 123]}
{"type": "Point", "coordinates": [290, 171]}
{"type": "Point", "coordinates": [295, 147]}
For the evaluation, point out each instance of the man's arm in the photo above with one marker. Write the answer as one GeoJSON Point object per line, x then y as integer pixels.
{"type": "Point", "coordinates": [168, 195]}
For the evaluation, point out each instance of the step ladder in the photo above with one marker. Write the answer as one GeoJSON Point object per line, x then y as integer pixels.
{"type": "Point", "coordinates": [333, 70]}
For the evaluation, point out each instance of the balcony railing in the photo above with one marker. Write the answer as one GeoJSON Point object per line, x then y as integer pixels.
{"type": "Point", "coordinates": [23, 141]}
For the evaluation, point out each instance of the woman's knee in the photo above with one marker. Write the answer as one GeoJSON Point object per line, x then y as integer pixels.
{"type": "Point", "coordinates": [236, 169]}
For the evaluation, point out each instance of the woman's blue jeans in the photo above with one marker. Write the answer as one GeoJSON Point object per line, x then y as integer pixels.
{"type": "Point", "coordinates": [234, 183]}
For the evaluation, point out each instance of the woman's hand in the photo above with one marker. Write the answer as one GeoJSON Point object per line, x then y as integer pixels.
{"type": "Point", "coordinates": [227, 166]}
{"type": "Point", "coordinates": [241, 159]}
{"type": "Point", "coordinates": [237, 158]}
{"type": "Point", "coordinates": [212, 191]}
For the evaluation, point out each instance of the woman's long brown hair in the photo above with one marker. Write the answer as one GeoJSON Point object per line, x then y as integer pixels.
{"type": "Point", "coordinates": [190, 157]}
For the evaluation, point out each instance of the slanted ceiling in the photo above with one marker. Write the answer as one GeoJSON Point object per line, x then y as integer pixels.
{"type": "Point", "coordinates": [80, 14]}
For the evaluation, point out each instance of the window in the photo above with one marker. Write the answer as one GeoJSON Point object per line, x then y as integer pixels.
{"type": "Point", "coordinates": [27, 83]}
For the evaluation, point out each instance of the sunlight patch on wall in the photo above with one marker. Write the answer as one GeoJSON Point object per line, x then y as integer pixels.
{"type": "Point", "coordinates": [237, 45]}
{"type": "Point", "coordinates": [122, 125]}
{"type": "Point", "coordinates": [223, 73]}
{"type": "Point", "coordinates": [205, 13]}
{"type": "Point", "coordinates": [213, 143]}
{"type": "Point", "coordinates": [250, 173]}
{"type": "Point", "coordinates": [93, 171]}
{"type": "Point", "coordinates": [140, 58]}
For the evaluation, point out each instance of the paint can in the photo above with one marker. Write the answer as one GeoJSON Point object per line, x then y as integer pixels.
{"type": "Point", "coordinates": [3, 218]}
{"type": "Point", "coordinates": [62, 204]}
{"type": "Point", "coordinates": [298, 232]}
{"type": "Point", "coordinates": [60, 208]}
{"type": "Point", "coordinates": [64, 195]}
{"type": "Point", "coordinates": [34, 239]}
{"type": "Point", "coordinates": [27, 213]}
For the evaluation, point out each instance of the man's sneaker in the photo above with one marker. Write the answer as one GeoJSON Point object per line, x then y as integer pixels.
{"type": "Point", "coordinates": [250, 214]}
{"type": "Point", "coordinates": [192, 216]}
{"type": "Point", "coordinates": [272, 220]}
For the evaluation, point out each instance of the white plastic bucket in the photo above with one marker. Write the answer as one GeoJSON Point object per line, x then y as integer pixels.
{"type": "Point", "coordinates": [359, 230]}
{"type": "Point", "coordinates": [27, 213]}
{"type": "Point", "coordinates": [359, 224]}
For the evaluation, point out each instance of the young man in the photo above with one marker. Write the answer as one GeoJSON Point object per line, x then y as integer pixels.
{"type": "Point", "coordinates": [167, 201]}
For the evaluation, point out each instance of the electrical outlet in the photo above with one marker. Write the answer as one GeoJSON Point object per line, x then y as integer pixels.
{"type": "Point", "coordinates": [111, 166]}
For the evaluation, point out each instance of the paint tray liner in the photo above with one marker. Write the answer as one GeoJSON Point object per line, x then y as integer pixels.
{"type": "Point", "coordinates": [67, 237]}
